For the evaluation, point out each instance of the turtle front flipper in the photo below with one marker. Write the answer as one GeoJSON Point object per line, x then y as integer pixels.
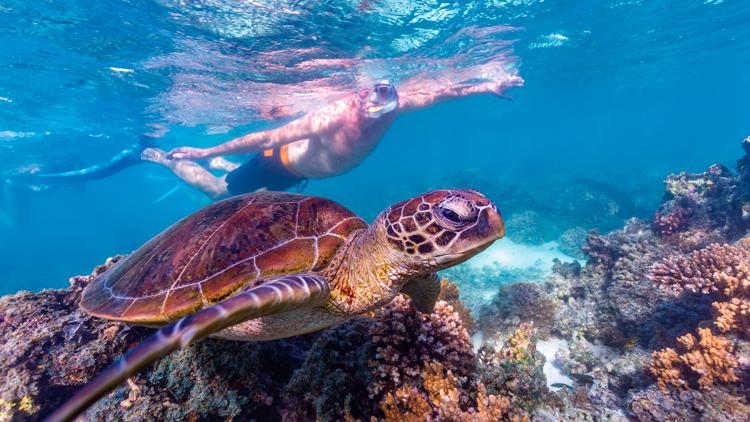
{"type": "Point", "coordinates": [423, 292]}
{"type": "Point", "coordinates": [269, 297]}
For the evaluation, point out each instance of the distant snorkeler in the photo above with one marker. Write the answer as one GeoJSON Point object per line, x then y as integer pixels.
{"type": "Point", "coordinates": [323, 143]}
{"type": "Point", "coordinates": [18, 186]}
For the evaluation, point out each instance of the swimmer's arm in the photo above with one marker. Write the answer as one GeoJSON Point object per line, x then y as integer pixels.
{"type": "Point", "coordinates": [424, 93]}
{"type": "Point", "coordinates": [308, 126]}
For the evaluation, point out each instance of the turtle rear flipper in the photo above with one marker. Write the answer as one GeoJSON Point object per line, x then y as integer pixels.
{"type": "Point", "coordinates": [273, 296]}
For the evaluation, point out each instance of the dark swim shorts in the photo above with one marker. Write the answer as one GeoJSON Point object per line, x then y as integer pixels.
{"type": "Point", "coordinates": [266, 170]}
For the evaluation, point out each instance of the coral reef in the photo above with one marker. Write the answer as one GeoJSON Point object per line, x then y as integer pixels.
{"type": "Point", "coordinates": [515, 370]}
{"type": "Point", "coordinates": [653, 327]}
{"type": "Point", "coordinates": [526, 227]}
{"type": "Point", "coordinates": [572, 240]}
{"type": "Point", "coordinates": [652, 404]}
{"type": "Point", "coordinates": [515, 303]}
{"type": "Point", "coordinates": [715, 268]}
{"type": "Point", "coordinates": [332, 382]}
{"type": "Point", "coordinates": [674, 221]}
{"type": "Point", "coordinates": [351, 371]}
{"type": "Point", "coordinates": [49, 347]}
{"type": "Point", "coordinates": [612, 298]}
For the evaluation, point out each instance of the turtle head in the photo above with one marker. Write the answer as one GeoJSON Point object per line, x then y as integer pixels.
{"type": "Point", "coordinates": [442, 228]}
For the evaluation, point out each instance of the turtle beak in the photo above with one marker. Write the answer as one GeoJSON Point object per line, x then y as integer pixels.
{"type": "Point", "coordinates": [374, 109]}
{"type": "Point", "coordinates": [495, 221]}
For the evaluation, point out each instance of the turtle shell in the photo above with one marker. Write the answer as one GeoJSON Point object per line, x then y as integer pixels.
{"type": "Point", "coordinates": [217, 251]}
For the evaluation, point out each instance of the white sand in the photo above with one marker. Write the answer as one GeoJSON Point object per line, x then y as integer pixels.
{"type": "Point", "coordinates": [511, 255]}
{"type": "Point", "coordinates": [552, 371]}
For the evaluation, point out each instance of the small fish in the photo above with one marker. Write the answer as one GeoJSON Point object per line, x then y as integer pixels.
{"type": "Point", "coordinates": [583, 378]}
{"type": "Point", "coordinates": [561, 385]}
{"type": "Point", "coordinates": [625, 343]}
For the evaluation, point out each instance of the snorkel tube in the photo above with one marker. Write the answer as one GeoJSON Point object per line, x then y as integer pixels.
{"type": "Point", "coordinates": [381, 100]}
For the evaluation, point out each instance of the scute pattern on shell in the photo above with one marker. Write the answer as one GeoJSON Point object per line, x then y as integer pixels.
{"type": "Point", "coordinates": [213, 253]}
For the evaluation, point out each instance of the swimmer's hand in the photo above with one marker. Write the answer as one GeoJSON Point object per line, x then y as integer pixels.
{"type": "Point", "coordinates": [188, 153]}
{"type": "Point", "coordinates": [512, 81]}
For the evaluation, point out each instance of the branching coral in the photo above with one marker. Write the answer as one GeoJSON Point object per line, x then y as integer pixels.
{"type": "Point", "coordinates": [441, 400]}
{"type": "Point", "coordinates": [724, 271]}
{"type": "Point", "coordinates": [701, 270]}
{"type": "Point", "coordinates": [450, 294]}
{"type": "Point", "coordinates": [406, 341]}
{"type": "Point", "coordinates": [666, 224]}
{"type": "Point", "coordinates": [710, 360]}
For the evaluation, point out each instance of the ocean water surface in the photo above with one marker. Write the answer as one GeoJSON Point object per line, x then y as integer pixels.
{"type": "Point", "coordinates": [617, 95]}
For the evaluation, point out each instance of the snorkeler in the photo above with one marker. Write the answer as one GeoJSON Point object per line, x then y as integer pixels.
{"type": "Point", "coordinates": [323, 143]}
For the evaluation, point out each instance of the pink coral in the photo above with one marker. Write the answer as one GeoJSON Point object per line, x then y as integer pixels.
{"type": "Point", "coordinates": [701, 270]}
{"type": "Point", "coordinates": [722, 270]}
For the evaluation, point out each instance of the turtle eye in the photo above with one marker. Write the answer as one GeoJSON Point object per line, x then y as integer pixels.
{"type": "Point", "coordinates": [456, 212]}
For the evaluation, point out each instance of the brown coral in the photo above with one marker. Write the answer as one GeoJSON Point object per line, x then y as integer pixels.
{"type": "Point", "coordinates": [441, 400]}
{"type": "Point", "coordinates": [710, 360]}
{"type": "Point", "coordinates": [732, 314]}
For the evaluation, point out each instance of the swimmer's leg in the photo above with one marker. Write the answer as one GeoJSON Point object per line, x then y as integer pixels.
{"type": "Point", "coordinates": [190, 172]}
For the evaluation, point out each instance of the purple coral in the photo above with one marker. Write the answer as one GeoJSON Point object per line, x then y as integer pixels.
{"type": "Point", "coordinates": [674, 221]}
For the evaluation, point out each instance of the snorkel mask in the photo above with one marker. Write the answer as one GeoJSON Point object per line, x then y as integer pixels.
{"type": "Point", "coordinates": [381, 100]}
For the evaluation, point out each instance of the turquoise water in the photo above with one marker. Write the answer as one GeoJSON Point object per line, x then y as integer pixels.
{"type": "Point", "coordinates": [618, 93]}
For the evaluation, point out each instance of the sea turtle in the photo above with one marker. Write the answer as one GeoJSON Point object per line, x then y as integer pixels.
{"type": "Point", "coordinates": [270, 265]}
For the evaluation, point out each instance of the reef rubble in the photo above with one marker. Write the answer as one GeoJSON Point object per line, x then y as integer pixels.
{"type": "Point", "coordinates": [653, 326]}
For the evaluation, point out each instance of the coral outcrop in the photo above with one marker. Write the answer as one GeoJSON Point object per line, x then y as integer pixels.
{"type": "Point", "coordinates": [441, 400]}
{"type": "Point", "coordinates": [515, 370]}
{"type": "Point", "coordinates": [406, 341]}
{"type": "Point", "coordinates": [450, 294]}
{"type": "Point", "coordinates": [708, 360]}
{"type": "Point", "coordinates": [720, 270]}
{"type": "Point", "coordinates": [516, 303]}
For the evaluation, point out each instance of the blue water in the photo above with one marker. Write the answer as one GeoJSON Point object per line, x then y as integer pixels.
{"type": "Point", "coordinates": [622, 92]}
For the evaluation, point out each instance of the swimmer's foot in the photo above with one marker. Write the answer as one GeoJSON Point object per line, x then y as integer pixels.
{"type": "Point", "coordinates": [219, 163]}
{"type": "Point", "coordinates": [155, 155]}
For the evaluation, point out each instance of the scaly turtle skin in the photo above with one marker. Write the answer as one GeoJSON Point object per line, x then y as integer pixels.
{"type": "Point", "coordinates": [271, 265]}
